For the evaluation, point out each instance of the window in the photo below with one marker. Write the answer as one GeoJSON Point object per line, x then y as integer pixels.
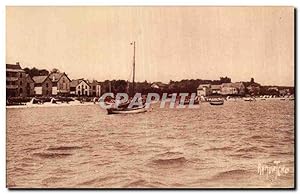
{"type": "Point", "coordinates": [85, 87]}
{"type": "Point", "coordinates": [21, 90]}
{"type": "Point", "coordinates": [20, 75]}
{"type": "Point", "coordinates": [21, 83]}
{"type": "Point", "coordinates": [46, 85]}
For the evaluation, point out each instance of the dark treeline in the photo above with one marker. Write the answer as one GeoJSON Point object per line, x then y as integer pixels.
{"type": "Point", "coordinates": [183, 86]}
{"type": "Point", "coordinates": [39, 72]}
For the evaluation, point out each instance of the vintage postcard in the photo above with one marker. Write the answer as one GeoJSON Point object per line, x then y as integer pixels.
{"type": "Point", "coordinates": [150, 97]}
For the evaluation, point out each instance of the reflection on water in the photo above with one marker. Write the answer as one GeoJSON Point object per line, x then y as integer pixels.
{"type": "Point", "coordinates": [213, 146]}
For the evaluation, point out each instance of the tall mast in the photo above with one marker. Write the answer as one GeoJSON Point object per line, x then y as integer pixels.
{"type": "Point", "coordinates": [133, 84]}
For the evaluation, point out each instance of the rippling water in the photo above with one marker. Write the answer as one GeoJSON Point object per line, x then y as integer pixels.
{"type": "Point", "coordinates": [213, 146]}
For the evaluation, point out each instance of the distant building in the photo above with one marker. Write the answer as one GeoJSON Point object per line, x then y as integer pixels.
{"type": "Point", "coordinates": [159, 85]}
{"type": "Point", "coordinates": [95, 88]}
{"type": "Point", "coordinates": [253, 88]}
{"type": "Point", "coordinates": [273, 88]}
{"type": "Point", "coordinates": [204, 90]}
{"type": "Point", "coordinates": [236, 88]}
{"type": "Point", "coordinates": [73, 85]}
{"type": "Point", "coordinates": [216, 89]}
{"type": "Point", "coordinates": [42, 85]}
{"type": "Point", "coordinates": [80, 87]}
{"type": "Point", "coordinates": [15, 80]}
{"type": "Point", "coordinates": [29, 86]}
{"type": "Point", "coordinates": [60, 84]}
{"type": "Point", "coordinates": [284, 92]}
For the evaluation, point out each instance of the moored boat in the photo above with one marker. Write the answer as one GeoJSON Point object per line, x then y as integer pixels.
{"type": "Point", "coordinates": [126, 110]}
{"type": "Point", "coordinates": [123, 107]}
{"type": "Point", "coordinates": [249, 99]}
{"type": "Point", "coordinates": [216, 102]}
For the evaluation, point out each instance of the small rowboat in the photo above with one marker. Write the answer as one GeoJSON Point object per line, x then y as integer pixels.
{"type": "Point", "coordinates": [219, 102]}
{"type": "Point", "coordinates": [126, 110]}
{"type": "Point", "coordinates": [249, 99]}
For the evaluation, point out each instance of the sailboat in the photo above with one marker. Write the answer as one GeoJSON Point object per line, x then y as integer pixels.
{"type": "Point", "coordinates": [123, 109]}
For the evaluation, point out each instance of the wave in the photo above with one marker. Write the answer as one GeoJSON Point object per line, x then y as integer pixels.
{"type": "Point", "coordinates": [144, 183]}
{"type": "Point", "coordinates": [52, 155]}
{"type": "Point", "coordinates": [191, 144]}
{"type": "Point", "coordinates": [247, 156]}
{"type": "Point", "coordinates": [52, 180]}
{"type": "Point", "coordinates": [256, 137]}
{"type": "Point", "coordinates": [232, 174]}
{"type": "Point", "coordinates": [64, 148]}
{"type": "Point", "coordinates": [170, 153]}
{"type": "Point", "coordinates": [219, 149]}
{"type": "Point", "coordinates": [251, 149]}
{"type": "Point", "coordinates": [170, 161]}
{"type": "Point", "coordinates": [96, 180]}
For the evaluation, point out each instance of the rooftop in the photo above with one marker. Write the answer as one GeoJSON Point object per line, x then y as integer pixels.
{"type": "Point", "coordinates": [14, 68]}
{"type": "Point", "coordinates": [39, 79]}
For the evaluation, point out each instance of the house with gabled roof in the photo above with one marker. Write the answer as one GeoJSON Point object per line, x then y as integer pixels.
{"type": "Point", "coordinates": [237, 88]}
{"type": "Point", "coordinates": [95, 88]}
{"type": "Point", "coordinates": [15, 80]}
{"type": "Point", "coordinates": [29, 86]}
{"type": "Point", "coordinates": [60, 83]}
{"type": "Point", "coordinates": [42, 85]}
{"type": "Point", "coordinates": [204, 90]}
{"type": "Point", "coordinates": [80, 87]}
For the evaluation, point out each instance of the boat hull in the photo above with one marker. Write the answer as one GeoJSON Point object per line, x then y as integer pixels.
{"type": "Point", "coordinates": [126, 111]}
{"type": "Point", "coordinates": [216, 103]}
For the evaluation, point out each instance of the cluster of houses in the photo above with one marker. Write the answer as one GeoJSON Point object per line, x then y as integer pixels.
{"type": "Point", "coordinates": [237, 88]}
{"type": "Point", "coordinates": [20, 84]}
{"type": "Point", "coordinates": [240, 89]}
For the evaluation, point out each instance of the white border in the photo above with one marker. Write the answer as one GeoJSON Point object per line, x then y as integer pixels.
{"type": "Point", "coordinates": [111, 2]}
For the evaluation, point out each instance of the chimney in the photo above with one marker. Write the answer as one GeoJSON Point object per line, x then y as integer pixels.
{"type": "Point", "coordinates": [53, 78]}
{"type": "Point", "coordinates": [17, 63]}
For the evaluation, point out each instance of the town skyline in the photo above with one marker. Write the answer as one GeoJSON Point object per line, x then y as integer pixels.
{"type": "Point", "coordinates": [172, 43]}
{"type": "Point", "coordinates": [141, 81]}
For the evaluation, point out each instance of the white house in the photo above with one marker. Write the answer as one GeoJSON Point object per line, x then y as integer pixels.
{"type": "Point", "coordinates": [204, 90]}
{"type": "Point", "coordinates": [80, 87]}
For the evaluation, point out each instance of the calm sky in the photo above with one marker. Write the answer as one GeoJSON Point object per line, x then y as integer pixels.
{"type": "Point", "coordinates": [173, 43]}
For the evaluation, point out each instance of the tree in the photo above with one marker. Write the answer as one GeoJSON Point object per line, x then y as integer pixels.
{"type": "Point", "coordinates": [44, 72]}
{"type": "Point", "coordinates": [225, 80]}
{"type": "Point", "coordinates": [55, 70]}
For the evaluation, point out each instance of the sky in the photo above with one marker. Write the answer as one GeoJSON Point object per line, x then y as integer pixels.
{"type": "Point", "coordinates": [172, 43]}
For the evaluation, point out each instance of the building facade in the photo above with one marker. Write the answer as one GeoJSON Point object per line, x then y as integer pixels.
{"type": "Point", "coordinates": [80, 87]}
{"type": "Point", "coordinates": [29, 86]}
{"type": "Point", "coordinates": [236, 88]}
{"type": "Point", "coordinates": [42, 86]}
{"type": "Point", "coordinates": [204, 90]}
{"type": "Point", "coordinates": [95, 88]}
{"type": "Point", "coordinates": [216, 89]}
{"type": "Point", "coordinates": [60, 84]}
{"type": "Point", "coordinates": [15, 81]}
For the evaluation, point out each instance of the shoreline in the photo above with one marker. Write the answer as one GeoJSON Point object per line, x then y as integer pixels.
{"type": "Point", "coordinates": [48, 104]}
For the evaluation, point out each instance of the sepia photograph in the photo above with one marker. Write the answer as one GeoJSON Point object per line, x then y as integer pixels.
{"type": "Point", "coordinates": [150, 97]}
